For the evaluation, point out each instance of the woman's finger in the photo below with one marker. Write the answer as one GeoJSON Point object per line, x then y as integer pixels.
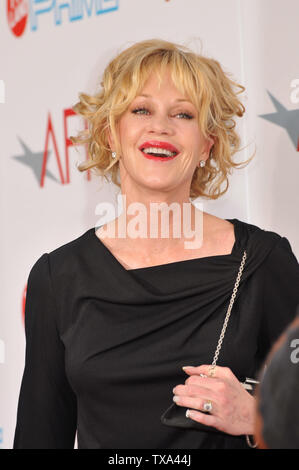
{"type": "Point", "coordinates": [196, 403]}
{"type": "Point", "coordinates": [206, 419]}
{"type": "Point", "coordinates": [194, 391]}
{"type": "Point", "coordinates": [205, 382]}
{"type": "Point", "coordinates": [209, 370]}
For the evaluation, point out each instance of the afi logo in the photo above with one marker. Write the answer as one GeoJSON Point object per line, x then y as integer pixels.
{"type": "Point", "coordinates": [17, 14]}
{"type": "Point", "coordinates": [38, 161]}
{"type": "Point", "coordinates": [67, 113]}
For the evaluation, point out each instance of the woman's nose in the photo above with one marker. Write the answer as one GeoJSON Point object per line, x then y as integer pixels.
{"type": "Point", "coordinates": [160, 124]}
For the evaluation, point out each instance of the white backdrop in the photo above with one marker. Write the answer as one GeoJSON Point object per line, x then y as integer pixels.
{"type": "Point", "coordinates": [53, 49]}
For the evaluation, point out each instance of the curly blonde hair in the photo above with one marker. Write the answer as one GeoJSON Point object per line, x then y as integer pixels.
{"type": "Point", "coordinates": [202, 79]}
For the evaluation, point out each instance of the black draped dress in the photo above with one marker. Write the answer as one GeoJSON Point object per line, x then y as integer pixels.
{"type": "Point", "coordinates": [105, 346]}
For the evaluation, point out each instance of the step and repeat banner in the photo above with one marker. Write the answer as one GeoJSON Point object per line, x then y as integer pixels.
{"type": "Point", "coordinates": [53, 49]}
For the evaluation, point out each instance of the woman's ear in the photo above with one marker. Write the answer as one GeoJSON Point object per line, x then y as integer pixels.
{"type": "Point", "coordinates": [209, 144]}
{"type": "Point", "coordinates": [206, 148]}
{"type": "Point", "coordinates": [110, 139]}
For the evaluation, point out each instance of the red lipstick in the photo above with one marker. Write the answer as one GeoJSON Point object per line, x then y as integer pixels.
{"type": "Point", "coordinates": [159, 145]}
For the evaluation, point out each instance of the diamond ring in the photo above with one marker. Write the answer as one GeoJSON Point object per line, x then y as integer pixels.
{"type": "Point", "coordinates": [207, 406]}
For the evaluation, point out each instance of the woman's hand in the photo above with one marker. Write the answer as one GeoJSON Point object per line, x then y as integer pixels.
{"type": "Point", "coordinates": [233, 408]}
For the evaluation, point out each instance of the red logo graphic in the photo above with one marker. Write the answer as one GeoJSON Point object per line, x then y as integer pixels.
{"type": "Point", "coordinates": [17, 14]}
{"type": "Point", "coordinates": [67, 143]}
{"type": "Point", "coordinates": [24, 302]}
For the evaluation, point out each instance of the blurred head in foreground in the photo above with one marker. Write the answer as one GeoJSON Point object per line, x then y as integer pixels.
{"type": "Point", "coordinates": [277, 423]}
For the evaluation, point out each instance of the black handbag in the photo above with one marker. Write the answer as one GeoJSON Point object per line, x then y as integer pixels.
{"type": "Point", "coordinates": [175, 415]}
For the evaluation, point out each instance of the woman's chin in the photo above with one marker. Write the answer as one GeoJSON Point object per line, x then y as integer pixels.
{"type": "Point", "coordinates": [158, 184]}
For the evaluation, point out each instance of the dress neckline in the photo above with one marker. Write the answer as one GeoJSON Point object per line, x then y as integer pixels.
{"type": "Point", "coordinates": [174, 263]}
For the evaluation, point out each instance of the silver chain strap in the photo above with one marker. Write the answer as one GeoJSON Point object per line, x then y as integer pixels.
{"type": "Point", "coordinates": [216, 355]}
{"type": "Point", "coordinates": [228, 312]}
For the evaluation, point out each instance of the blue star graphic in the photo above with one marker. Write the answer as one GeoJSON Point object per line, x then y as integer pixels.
{"type": "Point", "coordinates": [34, 160]}
{"type": "Point", "coordinates": [286, 118]}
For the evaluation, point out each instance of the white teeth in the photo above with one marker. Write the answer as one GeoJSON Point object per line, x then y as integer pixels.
{"type": "Point", "coordinates": [158, 151]}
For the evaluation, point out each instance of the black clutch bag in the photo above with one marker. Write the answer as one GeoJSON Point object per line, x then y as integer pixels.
{"type": "Point", "coordinates": [176, 415]}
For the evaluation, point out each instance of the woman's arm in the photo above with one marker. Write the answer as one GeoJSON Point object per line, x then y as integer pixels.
{"type": "Point", "coordinates": [47, 409]}
{"type": "Point", "coordinates": [281, 295]}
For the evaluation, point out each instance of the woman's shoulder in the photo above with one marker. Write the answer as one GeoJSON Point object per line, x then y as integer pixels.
{"type": "Point", "coordinates": [76, 245]}
{"type": "Point", "coordinates": [263, 233]}
{"type": "Point", "coordinates": [258, 232]}
{"type": "Point", "coordinates": [219, 224]}
{"type": "Point", "coordinates": [263, 245]}
{"type": "Point", "coordinates": [245, 232]}
{"type": "Point", "coordinates": [274, 247]}
{"type": "Point", "coordinates": [67, 256]}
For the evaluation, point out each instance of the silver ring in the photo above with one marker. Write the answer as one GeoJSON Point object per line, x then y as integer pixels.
{"type": "Point", "coordinates": [207, 406]}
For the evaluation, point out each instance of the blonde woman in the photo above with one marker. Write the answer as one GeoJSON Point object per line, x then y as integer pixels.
{"type": "Point", "coordinates": [112, 319]}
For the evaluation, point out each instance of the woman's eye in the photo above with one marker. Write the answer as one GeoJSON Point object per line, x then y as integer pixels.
{"type": "Point", "coordinates": [140, 111]}
{"type": "Point", "coordinates": [185, 115]}
{"type": "Point", "coordinates": [145, 111]}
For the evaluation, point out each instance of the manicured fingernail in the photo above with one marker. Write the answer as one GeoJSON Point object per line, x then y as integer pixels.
{"type": "Point", "coordinates": [187, 367]}
{"type": "Point", "coordinates": [175, 398]}
{"type": "Point", "coordinates": [189, 414]}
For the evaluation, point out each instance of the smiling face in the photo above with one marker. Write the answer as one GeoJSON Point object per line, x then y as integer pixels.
{"type": "Point", "coordinates": [160, 117]}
